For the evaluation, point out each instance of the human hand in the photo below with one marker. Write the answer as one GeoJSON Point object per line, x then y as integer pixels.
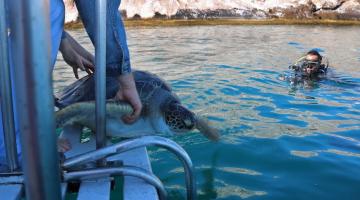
{"type": "Point", "coordinates": [76, 56]}
{"type": "Point", "coordinates": [128, 92]}
{"type": "Point", "coordinates": [63, 145]}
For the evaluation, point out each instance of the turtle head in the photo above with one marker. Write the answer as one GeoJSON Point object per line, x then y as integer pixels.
{"type": "Point", "coordinates": [181, 120]}
{"type": "Point", "coordinates": [178, 118]}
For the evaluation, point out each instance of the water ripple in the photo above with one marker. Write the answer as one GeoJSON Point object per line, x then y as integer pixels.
{"type": "Point", "coordinates": [271, 128]}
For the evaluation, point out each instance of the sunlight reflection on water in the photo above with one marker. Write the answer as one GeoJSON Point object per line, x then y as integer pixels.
{"type": "Point", "coordinates": [270, 129]}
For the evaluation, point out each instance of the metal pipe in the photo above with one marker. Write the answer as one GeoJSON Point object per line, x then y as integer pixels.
{"type": "Point", "coordinates": [11, 178]}
{"type": "Point", "coordinates": [6, 94]}
{"type": "Point", "coordinates": [123, 171]}
{"type": "Point", "coordinates": [30, 46]}
{"type": "Point", "coordinates": [100, 78]}
{"type": "Point", "coordinates": [141, 142]}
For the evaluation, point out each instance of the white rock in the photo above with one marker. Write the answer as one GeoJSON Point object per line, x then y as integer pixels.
{"type": "Point", "coordinates": [148, 8]}
{"type": "Point", "coordinates": [71, 13]}
{"type": "Point", "coordinates": [326, 3]}
{"type": "Point", "coordinates": [350, 6]}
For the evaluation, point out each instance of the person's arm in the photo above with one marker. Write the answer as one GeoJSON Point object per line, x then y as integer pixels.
{"type": "Point", "coordinates": [75, 55]}
{"type": "Point", "coordinates": [129, 93]}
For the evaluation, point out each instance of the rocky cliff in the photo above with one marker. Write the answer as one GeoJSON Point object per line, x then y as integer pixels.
{"type": "Point", "coordinates": [247, 9]}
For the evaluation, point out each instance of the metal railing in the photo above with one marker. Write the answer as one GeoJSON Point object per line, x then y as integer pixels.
{"type": "Point", "coordinates": [6, 94]}
{"type": "Point", "coordinates": [30, 55]}
{"type": "Point", "coordinates": [123, 171]}
{"type": "Point", "coordinates": [141, 142]}
{"type": "Point", "coordinates": [100, 78]}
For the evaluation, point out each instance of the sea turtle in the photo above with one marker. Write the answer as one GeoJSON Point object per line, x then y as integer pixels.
{"type": "Point", "coordinates": [162, 111]}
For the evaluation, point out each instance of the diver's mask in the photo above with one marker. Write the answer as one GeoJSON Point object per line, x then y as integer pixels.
{"type": "Point", "coordinates": [307, 64]}
{"type": "Point", "coordinates": [303, 64]}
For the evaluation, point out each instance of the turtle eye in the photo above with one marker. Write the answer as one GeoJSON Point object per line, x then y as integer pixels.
{"type": "Point", "coordinates": [188, 123]}
{"type": "Point", "coordinates": [179, 118]}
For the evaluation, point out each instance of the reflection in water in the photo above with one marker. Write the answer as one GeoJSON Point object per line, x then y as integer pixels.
{"type": "Point", "coordinates": [305, 154]}
{"type": "Point", "coordinates": [240, 171]}
{"type": "Point", "coordinates": [232, 191]}
{"type": "Point", "coordinates": [308, 154]}
{"type": "Point", "coordinates": [208, 190]}
{"type": "Point", "coordinates": [269, 128]}
{"type": "Point", "coordinates": [344, 153]}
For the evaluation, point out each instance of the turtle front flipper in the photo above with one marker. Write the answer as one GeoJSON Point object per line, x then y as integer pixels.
{"type": "Point", "coordinates": [203, 125]}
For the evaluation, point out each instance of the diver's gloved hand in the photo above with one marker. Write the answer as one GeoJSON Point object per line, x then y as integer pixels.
{"type": "Point", "coordinates": [128, 92]}
{"type": "Point", "coordinates": [76, 56]}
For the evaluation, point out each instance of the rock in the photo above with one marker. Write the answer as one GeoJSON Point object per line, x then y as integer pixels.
{"type": "Point", "coordinates": [350, 10]}
{"type": "Point", "coordinates": [219, 13]}
{"type": "Point", "coordinates": [326, 4]}
{"type": "Point", "coordinates": [71, 13]}
{"type": "Point", "coordinates": [303, 11]}
{"type": "Point", "coordinates": [254, 9]}
{"type": "Point", "coordinates": [340, 10]}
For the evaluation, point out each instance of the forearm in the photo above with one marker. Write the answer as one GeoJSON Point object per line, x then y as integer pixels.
{"type": "Point", "coordinates": [67, 38]}
{"type": "Point", "coordinates": [126, 81]}
{"type": "Point", "coordinates": [129, 93]}
{"type": "Point", "coordinates": [63, 41]}
{"type": "Point", "coordinates": [75, 55]}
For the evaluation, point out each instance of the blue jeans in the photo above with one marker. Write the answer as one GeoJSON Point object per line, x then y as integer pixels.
{"type": "Point", "coordinates": [57, 15]}
{"type": "Point", "coordinates": [117, 52]}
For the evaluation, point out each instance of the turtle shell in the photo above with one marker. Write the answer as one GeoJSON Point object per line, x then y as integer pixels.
{"type": "Point", "coordinates": [84, 89]}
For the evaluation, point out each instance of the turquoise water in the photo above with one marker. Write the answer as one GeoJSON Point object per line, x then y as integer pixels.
{"type": "Point", "coordinates": [279, 141]}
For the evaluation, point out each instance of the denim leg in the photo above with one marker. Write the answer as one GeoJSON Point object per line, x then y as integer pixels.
{"type": "Point", "coordinates": [117, 52]}
{"type": "Point", "coordinates": [57, 14]}
{"type": "Point", "coordinates": [3, 162]}
{"type": "Point", "coordinates": [2, 146]}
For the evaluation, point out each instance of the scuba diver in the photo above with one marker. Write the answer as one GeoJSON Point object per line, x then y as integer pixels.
{"type": "Point", "coordinates": [311, 65]}
{"type": "Point", "coordinates": [311, 71]}
{"type": "Point", "coordinates": [307, 70]}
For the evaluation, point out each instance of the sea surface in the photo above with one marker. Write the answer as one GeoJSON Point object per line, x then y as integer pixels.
{"type": "Point", "coordinates": [279, 140]}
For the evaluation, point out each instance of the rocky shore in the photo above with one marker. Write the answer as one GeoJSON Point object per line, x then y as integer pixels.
{"type": "Point", "coordinates": [253, 10]}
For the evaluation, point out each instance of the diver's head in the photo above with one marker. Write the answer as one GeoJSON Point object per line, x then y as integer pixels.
{"type": "Point", "coordinates": [312, 62]}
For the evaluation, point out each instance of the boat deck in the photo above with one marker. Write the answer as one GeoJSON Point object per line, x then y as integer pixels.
{"type": "Point", "coordinates": [98, 188]}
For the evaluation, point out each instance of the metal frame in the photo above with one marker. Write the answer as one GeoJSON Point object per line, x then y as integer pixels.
{"type": "Point", "coordinates": [123, 171]}
{"type": "Point", "coordinates": [100, 78]}
{"type": "Point", "coordinates": [6, 94]}
{"type": "Point", "coordinates": [30, 26]}
{"type": "Point", "coordinates": [142, 142]}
